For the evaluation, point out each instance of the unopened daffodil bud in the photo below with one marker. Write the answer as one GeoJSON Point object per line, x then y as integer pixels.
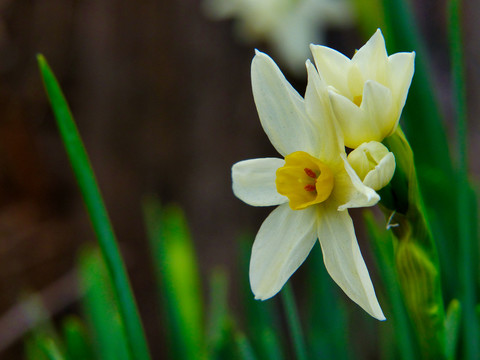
{"type": "Point", "coordinates": [367, 92]}
{"type": "Point", "coordinates": [373, 163]}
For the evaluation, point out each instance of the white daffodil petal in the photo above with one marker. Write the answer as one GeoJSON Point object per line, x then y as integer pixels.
{"type": "Point", "coordinates": [317, 103]}
{"type": "Point", "coordinates": [372, 58]}
{"type": "Point", "coordinates": [381, 175]}
{"type": "Point", "coordinates": [332, 67]}
{"type": "Point", "coordinates": [350, 191]}
{"type": "Point", "coordinates": [401, 67]}
{"type": "Point", "coordinates": [280, 108]}
{"type": "Point", "coordinates": [356, 126]}
{"type": "Point", "coordinates": [378, 107]}
{"type": "Point", "coordinates": [281, 245]}
{"type": "Point", "coordinates": [254, 181]}
{"type": "Point", "coordinates": [343, 259]}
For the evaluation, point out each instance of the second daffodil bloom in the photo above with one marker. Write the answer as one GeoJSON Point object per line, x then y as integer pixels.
{"type": "Point", "coordinates": [313, 186]}
{"type": "Point", "coordinates": [367, 92]}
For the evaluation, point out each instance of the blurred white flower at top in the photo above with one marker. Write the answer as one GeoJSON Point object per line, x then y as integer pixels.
{"type": "Point", "coordinates": [289, 26]}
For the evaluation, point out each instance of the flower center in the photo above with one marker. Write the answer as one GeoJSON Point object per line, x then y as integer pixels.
{"type": "Point", "coordinates": [304, 179]}
{"type": "Point", "coordinates": [357, 100]}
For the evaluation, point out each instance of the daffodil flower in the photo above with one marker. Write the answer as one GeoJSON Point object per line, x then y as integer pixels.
{"type": "Point", "coordinates": [367, 92]}
{"type": "Point", "coordinates": [313, 186]}
{"type": "Point", "coordinates": [287, 25]}
{"type": "Point", "coordinates": [373, 163]}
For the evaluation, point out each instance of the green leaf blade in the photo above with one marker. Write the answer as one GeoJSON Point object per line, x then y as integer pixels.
{"type": "Point", "coordinates": [96, 209]}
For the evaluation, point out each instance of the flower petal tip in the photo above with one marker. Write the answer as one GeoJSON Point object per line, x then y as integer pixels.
{"type": "Point", "coordinates": [379, 316]}
{"type": "Point", "coordinates": [261, 297]}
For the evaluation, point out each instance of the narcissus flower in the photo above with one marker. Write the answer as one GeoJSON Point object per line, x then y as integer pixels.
{"type": "Point", "coordinates": [367, 92]}
{"type": "Point", "coordinates": [313, 186]}
{"type": "Point", "coordinates": [287, 25]}
{"type": "Point", "coordinates": [373, 163]}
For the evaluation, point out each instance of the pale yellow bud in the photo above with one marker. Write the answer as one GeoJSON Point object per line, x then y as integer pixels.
{"type": "Point", "coordinates": [373, 163]}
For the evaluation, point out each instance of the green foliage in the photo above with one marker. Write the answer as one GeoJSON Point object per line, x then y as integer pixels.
{"type": "Point", "coordinates": [219, 321]}
{"type": "Point", "coordinates": [261, 320]}
{"type": "Point", "coordinates": [324, 306]}
{"type": "Point", "coordinates": [466, 200]}
{"type": "Point", "coordinates": [416, 258]}
{"type": "Point", "coordinates": [452, 328]}
{"type": "Point", "coordinates": [77, 341]}
{"type": "Point", "coordinates": [101, 308]}
{"type": "Point", "coordinates": [414, 282]}
{"type": "Point", "coordinates": [92, 197]}
{"type": "Point", "coordinates": [403, 340]}
{"type": "Point", "coordinates": [177, 275]}
{"type": "Point", "coordinates": [41, 347]}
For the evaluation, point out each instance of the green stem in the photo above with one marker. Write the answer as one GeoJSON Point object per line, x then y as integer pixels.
{"type": "Point", "coordinates": [466, 250]}
{"type": "Point", "coordinates": [293, 321]}
{"type": "Point", "coordinates": [416, 255]}
{"type": "Point", "coordinates": [98, 214]}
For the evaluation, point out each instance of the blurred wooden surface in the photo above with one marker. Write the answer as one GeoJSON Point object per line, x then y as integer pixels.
{"type": "Point", "coordinates": [162, 98]}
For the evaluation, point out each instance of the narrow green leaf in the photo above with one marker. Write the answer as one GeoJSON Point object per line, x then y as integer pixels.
{"type": "Point", "coordinates": [32, 351]}
{"type": "Point", "coordinates": [293, 320]}
{"type": "Point", "coordinates": [244, 347]}
{"type": "Point", "coordinates": [50, 349]}
{"type": "Point", "coordinates": [101, 308]}
{"type": "Point", "coordinates": [452, 328]}
{"type": "Point", "coordinates": [466, 243]}
{"type": "Point", "coordinates": [218, 319]}
{"type": "Point", "coordinates": [43, 347]}
{"type": "Point", "coordinates": [177, 276]}
{"type": "Point", "coordinates": [96, 209]}
{"type": "Point", "coordinates": [76, 339]}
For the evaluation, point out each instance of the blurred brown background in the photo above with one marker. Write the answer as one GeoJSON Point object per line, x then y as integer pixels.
{"type": "Point", "coordinates": [162, 99]}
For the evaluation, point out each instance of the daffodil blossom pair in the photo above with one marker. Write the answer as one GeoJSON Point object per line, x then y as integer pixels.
{"type": "Point", "coordinates": [354, 102]}
{"type": "Point", "coordinates": [313, 186]}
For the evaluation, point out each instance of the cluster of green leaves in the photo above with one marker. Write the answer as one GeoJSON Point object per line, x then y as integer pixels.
{"type": "Point", "coordinates": [449, 201]}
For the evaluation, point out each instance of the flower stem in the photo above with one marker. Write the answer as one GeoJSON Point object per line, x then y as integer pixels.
{"type": "Point", "coordinates": [416, 257]}
{"type": "Point", "coordinates": [293, 321]}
